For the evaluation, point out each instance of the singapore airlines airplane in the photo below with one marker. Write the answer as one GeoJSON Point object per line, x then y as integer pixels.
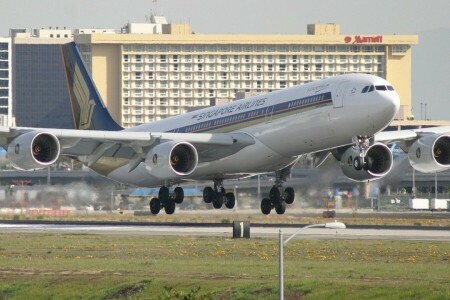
{"type": "Point", "coordinates": [267, 133]}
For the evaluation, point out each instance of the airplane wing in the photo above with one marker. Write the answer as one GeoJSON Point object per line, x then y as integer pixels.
{"type": "Point", "coordinates": [132, 145]}
{"type": "Point", "coordinates": [405, 138]}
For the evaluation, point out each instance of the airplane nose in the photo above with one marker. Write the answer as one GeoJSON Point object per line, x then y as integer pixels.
{"type": "Point", "coordinates": [391, 104]}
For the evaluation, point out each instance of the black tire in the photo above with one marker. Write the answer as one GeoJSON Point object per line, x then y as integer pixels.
{"type": "Point", "coordinates": [230, 200]}
{"type": "Point", "coordinates": [275, 195]}
{"type": "Point", "coordinates": [289, 195]}
{"type": "Point", "coordinates": [169, 207]}
{"type": "Point", "coordinates": [164, 194]}
{"type": "Point", "coordinates": [368, 162]}
{"type": "Point", "coordinates": [218, 200]}
{"type": "Point", "coordinates": [280, 207]}
{"type": "Point", "coordinates": [266, 206]}
{"type": "Point", "coordinates": [155, 206]}
{"type": "Point", "coordinates": [208, 194]}
{"type": "Point", "coordinates": [222, 190]}
{"type": "Point", "coordinates": [357, 163]}
{"type": "Point", "coordinates": [179, 195]}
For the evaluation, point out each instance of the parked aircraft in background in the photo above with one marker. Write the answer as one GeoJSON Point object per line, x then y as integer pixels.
{"type": "Point", "coordinates": [266, 133]}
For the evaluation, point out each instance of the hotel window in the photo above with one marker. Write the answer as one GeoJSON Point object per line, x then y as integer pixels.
{"type": "Point", "coordinates": [318, 48]}
{"type": "Point", "coordinates": [399, 49]}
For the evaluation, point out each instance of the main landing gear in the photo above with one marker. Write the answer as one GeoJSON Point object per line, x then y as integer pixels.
{"type": "Point", "coordinates": [277, 197]}
{"type": "Point", "coordinates": [218, 196]}
{"type": "Point", "coordinates": [167, 200]}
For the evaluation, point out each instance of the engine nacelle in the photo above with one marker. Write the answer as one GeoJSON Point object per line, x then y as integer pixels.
{"type": "Point", "coordinates": [171, 159]}
{"type": "Point", "coordinates": [33, 150]}
{"type": "Point", "coordinates": [378, 162]}
{"type": "Point", "coordinates": [431, 153]}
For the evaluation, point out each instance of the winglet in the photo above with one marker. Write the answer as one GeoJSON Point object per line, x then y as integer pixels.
{"type": "Point", "coordinates": [89, 111]}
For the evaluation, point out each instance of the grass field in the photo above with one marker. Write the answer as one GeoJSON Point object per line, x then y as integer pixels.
{"type": "Point", "coordinates": [85, 266]}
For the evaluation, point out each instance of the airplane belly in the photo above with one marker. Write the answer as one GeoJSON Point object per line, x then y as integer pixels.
{"type": "Point", "coordinates": [256, 158]}
{"type": "Point", "coordinates": [298, 134]}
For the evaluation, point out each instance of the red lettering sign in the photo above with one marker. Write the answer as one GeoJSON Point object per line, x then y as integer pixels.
{"type": "Point", "coordinates": [358, 39]}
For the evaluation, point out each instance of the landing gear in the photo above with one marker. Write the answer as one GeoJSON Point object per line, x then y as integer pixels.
{"type": "Point", "coordinates": [166, 200]}
{"type": "Point", "coordinates": [218, 196]}
{"type": "Point", "coordinates": [277, 199]}
{"type": "Point", "coordinates": [361, 161]}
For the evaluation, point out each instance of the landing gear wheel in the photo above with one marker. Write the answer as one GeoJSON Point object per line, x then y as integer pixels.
{"type": "Point", "coordinates": [230, 200]}
{"type": "Point", "coordinates": [163, 194]}
{"type": "Point", "coordinates": [357, 163]}
{"type": "Point", "coordinates": [289, 195]}
{"type": "Point", "coordinates": [280, 207]}
{"type": "Point", "coordinates": [179, 195]}
{"type": "Point", "coordinates": [218, 200]}
{"type": "Point", "coordinates": [275, 195]}
{"type": "Point", "coordinates": [169, 207]}
{"type": "Point", "coordinates": [266, 206]}
{"type": "Point", "coordinates": [368, 162]}
{"type": "Point", "coordinates": [208, 194]}
{"type": "Point", "coordinates": [155, 206]}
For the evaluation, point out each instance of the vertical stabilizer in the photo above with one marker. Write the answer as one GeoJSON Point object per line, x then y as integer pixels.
{"type": "Point", "coordinates": [89, 111]}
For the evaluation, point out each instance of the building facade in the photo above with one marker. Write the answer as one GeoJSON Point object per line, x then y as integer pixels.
{"type": "Point", "coordinates": [148, 76]}
{"type": "Point", "coordinates": [5, 82]}
{"type": "Point", "coordinates": [40, 92]}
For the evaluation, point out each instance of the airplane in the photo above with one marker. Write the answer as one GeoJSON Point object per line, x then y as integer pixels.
{"type": "Point", "coordinates": [342, 116]}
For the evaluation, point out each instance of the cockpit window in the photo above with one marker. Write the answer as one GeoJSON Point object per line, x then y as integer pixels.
{"type": "Point", "coordinates": [380, 88]}
{"type": "Point", "coordinates": [364, 90]}
{"type": "Point", "coordinates": [390, 88]}
{"type": "Point", "coordinates": [370, 89]}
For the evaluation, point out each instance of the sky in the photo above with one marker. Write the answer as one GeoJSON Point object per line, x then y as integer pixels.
{"type": "Point", "coordinates": [428, 19]}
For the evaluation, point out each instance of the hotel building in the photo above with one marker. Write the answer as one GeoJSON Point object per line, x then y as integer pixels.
{"type": "Point", "coordinates": [154, 70]}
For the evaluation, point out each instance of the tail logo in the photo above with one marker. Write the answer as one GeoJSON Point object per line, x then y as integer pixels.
{"type": "Point", "coordinates": [82, 95]}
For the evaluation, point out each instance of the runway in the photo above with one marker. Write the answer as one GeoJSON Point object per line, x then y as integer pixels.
{"type": "Point", "coordinates": [226, 231]}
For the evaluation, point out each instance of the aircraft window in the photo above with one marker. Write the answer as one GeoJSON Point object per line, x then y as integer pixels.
{"type": "Point", "coordinates": [390, 88]}
{"type": "Point", "coordinates": [364, 90]}
{"type": "Point", "coordinates": [370, 89]}
{"type": "Point", "coordinates": [380, 87]}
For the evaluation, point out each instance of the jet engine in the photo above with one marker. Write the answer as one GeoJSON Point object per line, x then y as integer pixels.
{"type": "Point", "coordinates": [33, 150]}
{"type": "Point", "coordinates": [430, 153]}
{"type": "Point", "coordinates": [377, 162]}
{"type": "Point", "coordinates": [171, 159]}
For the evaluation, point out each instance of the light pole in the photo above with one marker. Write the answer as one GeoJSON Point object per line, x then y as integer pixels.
{"type": "Point", "coordinates": [331, 225]}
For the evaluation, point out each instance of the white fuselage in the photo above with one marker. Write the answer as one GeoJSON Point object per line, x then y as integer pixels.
{"type": "Point", "coordinates": [285, 124]}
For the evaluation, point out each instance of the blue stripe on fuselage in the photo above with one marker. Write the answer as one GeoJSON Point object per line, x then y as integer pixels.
{"type": "Point", "coordinates": [259, 113]}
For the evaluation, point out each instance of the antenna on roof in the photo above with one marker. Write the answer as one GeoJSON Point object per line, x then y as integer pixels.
{"type": "Point", "coordinates": [155, 2]}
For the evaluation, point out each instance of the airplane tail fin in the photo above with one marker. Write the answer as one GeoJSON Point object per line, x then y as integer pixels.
{"type": "Point", "coordinates": [89, 111]}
